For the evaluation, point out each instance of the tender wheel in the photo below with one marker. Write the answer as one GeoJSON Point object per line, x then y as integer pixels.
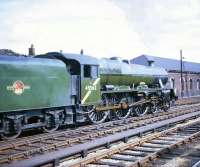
{"type": "Point", "coordinates": [122, 113]}
{"type": "Point", "coordinates": [12, 128]}
{"type": "Point", "coordinates": [51, 121]}
{"type": "Point", "coordinates": [141, 110]}
{"type": "Point", "coordinates": [97, 117]}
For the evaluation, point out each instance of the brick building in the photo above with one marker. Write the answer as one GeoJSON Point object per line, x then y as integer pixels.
{"type": "Point", "coordinates": [191, 73]}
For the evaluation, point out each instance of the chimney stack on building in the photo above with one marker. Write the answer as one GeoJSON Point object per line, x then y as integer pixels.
{"type": "Point", "coordinates": [31, 50]}
{"type": "Point", "coordinates": [81, 52]}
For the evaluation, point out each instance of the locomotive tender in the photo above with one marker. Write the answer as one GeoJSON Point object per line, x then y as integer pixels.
{"type": "Point", "coordinates": [54, 89]}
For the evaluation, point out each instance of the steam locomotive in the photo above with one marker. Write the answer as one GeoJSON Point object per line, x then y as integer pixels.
{"type": "Point", "coordinates": [54, 89]}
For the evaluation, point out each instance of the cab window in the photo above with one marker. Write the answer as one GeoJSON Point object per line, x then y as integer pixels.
{"type": "Point", "coordinates": [94, 72]}
{"type": "Point", "coordinates": [90, 71]}
{"type": "Point", "coordinates": [87, 71]}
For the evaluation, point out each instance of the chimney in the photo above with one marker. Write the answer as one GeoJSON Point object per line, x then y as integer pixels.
{"type": "Point", "coordinates": [31, 50]}
{"type": "Point", "coordinates": [81, 52]}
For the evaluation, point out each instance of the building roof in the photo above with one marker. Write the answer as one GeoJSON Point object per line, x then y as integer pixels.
{"type": "Point", "coordinates": [168, 64]}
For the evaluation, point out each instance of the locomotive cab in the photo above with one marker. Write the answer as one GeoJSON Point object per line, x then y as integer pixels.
{"type": "Point", "coordinates": [85, 81]}
{"type": "Point", "coordinates": [90, 84]}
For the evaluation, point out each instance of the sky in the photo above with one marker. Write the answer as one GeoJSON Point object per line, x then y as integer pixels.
{"type": "Point", "coordinates": [103, 28]}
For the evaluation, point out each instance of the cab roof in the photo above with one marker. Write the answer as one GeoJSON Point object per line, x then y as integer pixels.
{"type": "Point", "coordinates": [81, 58]}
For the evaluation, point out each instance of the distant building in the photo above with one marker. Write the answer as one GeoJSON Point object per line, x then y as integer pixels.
{"type": "Point", "coordinates": [191, 73]}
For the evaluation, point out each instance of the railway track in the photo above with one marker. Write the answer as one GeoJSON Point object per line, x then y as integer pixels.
{"type": "Point", "coordinates": [187, 101]}
{"type": "Point", "coordinates": [140, 151]}
{"type": "Point", "coordinates": [178, 104]}
{"type": "Point", "coordinates": [186, 155]}
{"type": "Point", "coordinates": [22, 140]}
{"type": "Point", "coordinates": [28, 147]}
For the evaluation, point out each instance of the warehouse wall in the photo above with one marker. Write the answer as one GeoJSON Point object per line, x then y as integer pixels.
{"type": "Point", "coordinates": [191, 83]}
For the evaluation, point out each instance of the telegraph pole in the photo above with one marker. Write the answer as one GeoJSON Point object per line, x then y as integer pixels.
{"type": "Point", "coordinates": [181, 63]}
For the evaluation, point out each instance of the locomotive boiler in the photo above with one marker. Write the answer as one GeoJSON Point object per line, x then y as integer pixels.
{"type": "Point", "coordinates": [115, 71]}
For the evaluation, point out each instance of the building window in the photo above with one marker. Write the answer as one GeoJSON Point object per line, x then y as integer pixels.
{"type": "Point", "coordinates": [191, 84]}
{"type": "Point", "coordinates": [151, 63]}
{"type": "Point", "coordinates": [173, 83]}
{"type": "Point", "coordinates": [198, 84]}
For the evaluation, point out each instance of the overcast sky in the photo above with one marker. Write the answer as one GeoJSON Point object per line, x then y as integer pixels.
{"type": "Point", "coordinates": [103, 28]}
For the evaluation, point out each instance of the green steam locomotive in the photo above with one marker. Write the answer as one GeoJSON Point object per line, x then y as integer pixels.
{"type": "Point", "coordinates": [54, 89]}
